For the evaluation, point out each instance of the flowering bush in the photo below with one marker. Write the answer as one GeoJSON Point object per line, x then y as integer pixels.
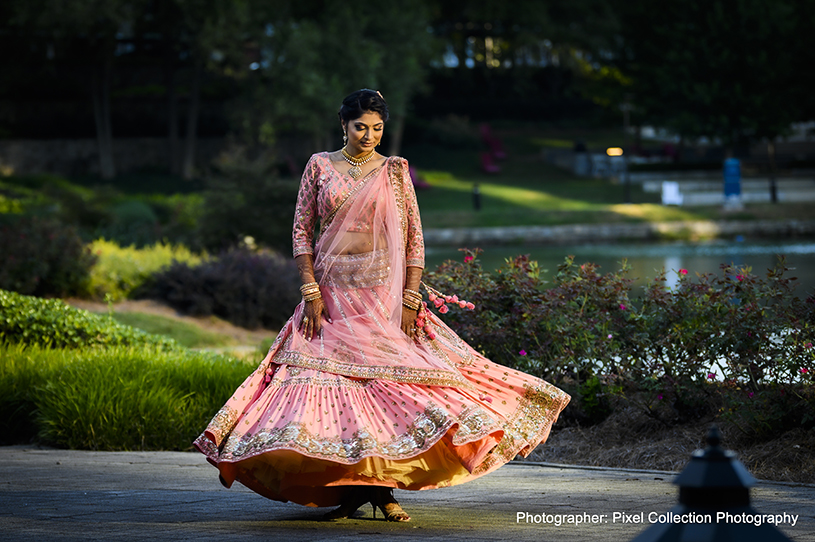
{"type": "Point", "coordinates": [731, 340]}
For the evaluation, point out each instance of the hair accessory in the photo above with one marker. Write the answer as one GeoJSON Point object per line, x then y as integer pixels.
{"type": "Point", "coordinates": [380, 94]}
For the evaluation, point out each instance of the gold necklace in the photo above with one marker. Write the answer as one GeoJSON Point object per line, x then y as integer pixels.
{"type": "Point", "coordinates": [356, 172]}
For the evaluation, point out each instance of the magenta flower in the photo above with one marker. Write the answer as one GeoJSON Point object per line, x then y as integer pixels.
{"type": "Point", "coordinates": [683, 271]}
{"type": "Point", "coordinates": [749, 394]}
{"type": "Point", "coordinates": [622, 307]}
{"type": "Point", "coordinates": [609, 335]}
{"type": "Point", "coordinates": [431, 336]}
{"type": "Point", "coordinates": [711, 376]}
{"type": "Point", "coordinates": [808, 345]}
{"type": "Point", "coordinates": [804, 370]}
{"type": "Point", "coordinates": [739, 277]}
{"type": "Point", "coordinates": [468, 259]}
{"type": "Point", "coordinates": [659, 397]}
{"type": "Point", "coordinates": [522, 352]}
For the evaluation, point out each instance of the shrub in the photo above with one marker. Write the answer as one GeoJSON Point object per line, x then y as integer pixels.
{"type": "Point", "coordinates": [34, 321]}
{"type": "Point", "coordinates": [666, 352]}
{"type": "Point", "coordinates": [246, 199]}
{"type": "Point", "coordinates": [246, 288]}
{"type": "Point", "coordinates": [43, 257]}
{"type": "Point", "coordinates": [121, 270]}
{"type": "Point", "coordinates": [121, 398]}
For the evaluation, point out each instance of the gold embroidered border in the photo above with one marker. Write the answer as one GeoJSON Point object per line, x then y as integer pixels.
{"type": "Point", "coordinates": [223, 422]}
{"type": "Point", "coordinates": [395, 176]}
{"type": "Point", "coordinates": [425, 431]}
{"type": "Point", "coordinates": [408, 375]}
{"type": "Point", "coordinates": [537, 411]}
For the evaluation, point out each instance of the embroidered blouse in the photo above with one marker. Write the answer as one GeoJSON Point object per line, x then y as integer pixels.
{"type": "Point", "coordinates": [323, 187]}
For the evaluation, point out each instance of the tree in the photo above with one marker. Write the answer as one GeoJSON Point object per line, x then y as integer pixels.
{"type": "Point", "coordinates": [86, 33]}
{"type": "Point", "coordinates": [719, 68]}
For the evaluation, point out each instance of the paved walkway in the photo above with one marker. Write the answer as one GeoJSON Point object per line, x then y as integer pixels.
{"type": "Point", "coordinates": [65, 495]}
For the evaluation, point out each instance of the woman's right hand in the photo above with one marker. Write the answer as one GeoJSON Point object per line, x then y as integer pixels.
{"type": "Point", "coordinates": [312, 322]}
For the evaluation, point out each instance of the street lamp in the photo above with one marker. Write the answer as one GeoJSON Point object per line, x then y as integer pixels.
{"type": "Point", "coordinates": [714, 502]}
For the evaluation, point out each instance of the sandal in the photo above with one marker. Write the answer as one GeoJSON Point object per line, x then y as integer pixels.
{"type": "Point", "coordinates": [383, 499]}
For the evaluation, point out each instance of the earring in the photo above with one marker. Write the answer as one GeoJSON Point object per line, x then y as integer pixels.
{"type": "Point", "coordinates": [344, 138]}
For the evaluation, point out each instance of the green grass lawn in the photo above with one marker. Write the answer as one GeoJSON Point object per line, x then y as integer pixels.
{"type": "Point", "coordinates": [188, 335]}
{"type": "Point", "coordinates": [529, 192]}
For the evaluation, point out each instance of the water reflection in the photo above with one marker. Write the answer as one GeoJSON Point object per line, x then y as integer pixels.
{"type": "Point", "coordinates": [646, 259]}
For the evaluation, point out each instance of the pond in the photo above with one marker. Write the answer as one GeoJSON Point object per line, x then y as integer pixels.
{"type": "Point", "coordinates": [646, 259]}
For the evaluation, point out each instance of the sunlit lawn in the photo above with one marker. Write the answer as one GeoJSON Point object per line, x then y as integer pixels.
{"type": "Point", "coordinates": [530, 192]}
{"type": "Point", "coordinates": [188, 335]}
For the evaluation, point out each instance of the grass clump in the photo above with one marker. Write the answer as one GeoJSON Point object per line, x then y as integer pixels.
{"type": "Point", "coordinates": [116, 398]}
{"type": "Point", "coordinates": [121, 270]}
{"type": "Point", "coordinates": [51, 322]}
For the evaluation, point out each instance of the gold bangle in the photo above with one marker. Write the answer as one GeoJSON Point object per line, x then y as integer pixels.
{"type": "Point", "coordinates": [413, 307]}
{"type": "Point", "coordinates": [309, 286]}
{"type": "Point", "coordinates": [312, 297]}
{"type": "Point", "coordinates": [311, 291]}
{"type": "Point", "coordinates": [413, 292]}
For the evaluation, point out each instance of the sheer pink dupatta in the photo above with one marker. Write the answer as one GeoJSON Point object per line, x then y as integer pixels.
{"type": "Point", "coordinates": [360, 266]}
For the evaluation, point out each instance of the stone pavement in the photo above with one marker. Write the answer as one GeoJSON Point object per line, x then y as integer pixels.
{"type": "Point", "coordinates": [48, 494]}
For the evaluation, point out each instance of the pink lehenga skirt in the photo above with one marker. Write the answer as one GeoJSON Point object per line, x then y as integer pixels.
{"type": "Point", "coordinates": [317, 417]}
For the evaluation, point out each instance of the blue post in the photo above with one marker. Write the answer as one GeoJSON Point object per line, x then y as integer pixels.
{"type": "Point", "coordinates": [732, 183]}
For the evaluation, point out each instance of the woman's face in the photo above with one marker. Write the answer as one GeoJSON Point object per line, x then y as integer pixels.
{"type": "Point", "coordinates": [364, 133]}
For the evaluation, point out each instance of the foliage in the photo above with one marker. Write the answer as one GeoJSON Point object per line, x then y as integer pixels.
{"type": "Point", "coordinates": [121, 270]}
{"type": "Point", "coordinates": [726, 69]}
{"type": "Point", "coordinates": [104, 211]}
{"type": "Point", "coordinates": [244, 198]}
{"type": "Point", "coordinates": [119, 398]}
{"type": "Point", "coordinates": [246, 288]}
{"type": "Point", "coordinates": [678, 354]}
{"type": "Point", "coordinates": [51, 322]}
{"type": "Point", "coordinates": [43, 257]}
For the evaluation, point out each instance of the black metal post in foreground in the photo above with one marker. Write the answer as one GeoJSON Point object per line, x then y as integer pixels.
{"type": "Point", "coordinates": [714, 502]}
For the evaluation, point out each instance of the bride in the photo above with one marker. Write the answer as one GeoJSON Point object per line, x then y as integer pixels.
{"type": "Point", "coordinates": [365, 389]}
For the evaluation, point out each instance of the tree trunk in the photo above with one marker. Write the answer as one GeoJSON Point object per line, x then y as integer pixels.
{"type": "Point", "coordinates": [100, 94]}
{"type": "Point", "coordinates": [771, 156]}
{"type": "Point", "coordinates": [396, 133]}
{"type": "Point", "coordinates": [172, 110]}
{"type": "Point", "coordinates": [188, 166]}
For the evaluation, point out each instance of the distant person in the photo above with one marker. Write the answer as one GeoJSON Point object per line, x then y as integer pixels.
{"type": "Point", "coordinates": [364, 390]}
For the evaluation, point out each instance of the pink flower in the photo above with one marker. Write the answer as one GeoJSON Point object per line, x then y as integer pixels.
{"type": "Point", "coordinates": [468, 259]}
{"type": "Point", "coordinates": [522, 352]}
{"type": "Point", "coordinates": [443, 309]}
{"type": "Point", "coordinates": [749, 333]}
{"type": "Point", "coordinates": [470, 306]}
{"type": "Point", "coordinates": [438, 302]}
{"type": "Point", "coordinates": [462, 304]}
{"type": "Point", "coordinates": [659, 397]}
{"type": "Point", "coordinates": [431, 336]}
{"type": "Point", "coordinates": [683, 271]}
{"type": "Point", "coordinates": [749, 394]}
{"type": "Point", "coordinates": [431, 296]}
{"type": "Point", "coordinates": [622, 307]}
{"type": "Point", "coordinates": [419, 322]}
{"type": "Point", "coordinates": [454, 299]}
{"type": "Point", "coordinates": [448, 299]}
{"type": "Point", "coordinates": [804, 370]}
{"type": "Point", "coordinates": [711, 376]}
{"type": "Point", "coordinates": [739, 277]}
{"type": "Point", "coordinates": [808, 345]}
{"type": "Point", "coordinates": [609, 336]}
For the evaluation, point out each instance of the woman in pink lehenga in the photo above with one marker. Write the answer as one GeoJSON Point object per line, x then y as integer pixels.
{"type": "Point", "coordinates": [353, 399]}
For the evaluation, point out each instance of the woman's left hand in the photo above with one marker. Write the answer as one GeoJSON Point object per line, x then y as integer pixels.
{"type": "Point", "coordinates": [409, 321]}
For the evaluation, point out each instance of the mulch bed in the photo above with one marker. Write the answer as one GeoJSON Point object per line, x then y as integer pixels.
{"type": "Point", "coordinates": [630, 439]}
